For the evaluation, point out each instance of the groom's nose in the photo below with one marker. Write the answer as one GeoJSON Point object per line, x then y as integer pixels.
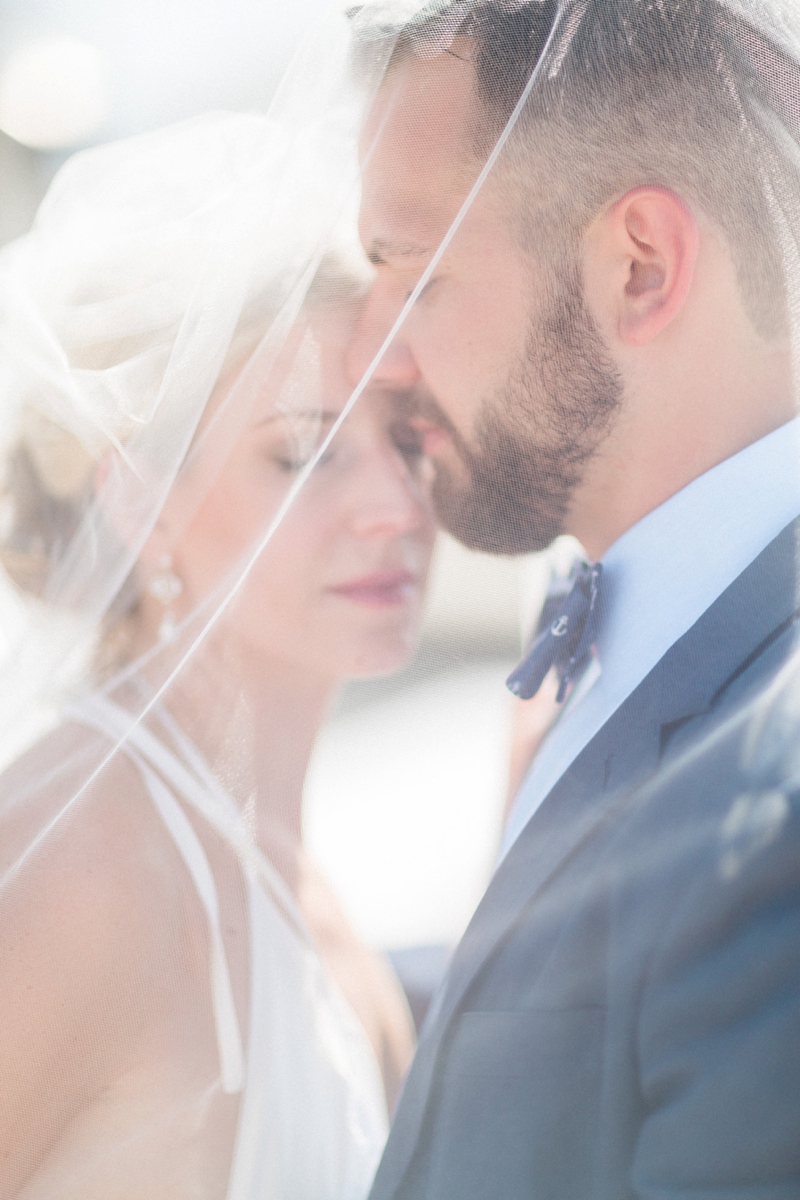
{"type": "Point", "coordinates": [396, 367]}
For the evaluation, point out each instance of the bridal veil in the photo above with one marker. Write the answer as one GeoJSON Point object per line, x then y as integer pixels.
{"type": "Point", "coordinates": [167, 282]}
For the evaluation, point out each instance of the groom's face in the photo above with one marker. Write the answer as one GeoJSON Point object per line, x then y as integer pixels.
{"type": "Point", "coordinates": [502, 363]}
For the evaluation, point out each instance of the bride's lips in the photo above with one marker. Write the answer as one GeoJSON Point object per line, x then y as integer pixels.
{"type": "Point", "coordinates": [381, 589]}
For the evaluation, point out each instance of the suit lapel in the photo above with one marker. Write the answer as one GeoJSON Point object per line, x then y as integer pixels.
{"type": "Point", "coordinates": [521, 876]}
{"type": "Point", "coordinates": [687, 681]}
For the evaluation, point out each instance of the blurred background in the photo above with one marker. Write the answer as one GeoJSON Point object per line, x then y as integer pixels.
{"type": "Point", "coordinates": [406, 791]}
{"type": "Point", "coordinates": [77, 72]}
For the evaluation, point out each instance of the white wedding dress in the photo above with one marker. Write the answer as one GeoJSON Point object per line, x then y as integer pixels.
{"type": "Point", "coordinates": [312, 1117]}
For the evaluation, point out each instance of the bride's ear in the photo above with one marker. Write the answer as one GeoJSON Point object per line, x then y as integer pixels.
{"type": "Point", "coordinates": [160, 540]}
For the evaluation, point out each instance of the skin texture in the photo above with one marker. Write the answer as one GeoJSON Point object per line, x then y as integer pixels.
{"type": "Point", "coordinates": [108, 1062]}
{"type": "Point", "coordinates": [694, 381]}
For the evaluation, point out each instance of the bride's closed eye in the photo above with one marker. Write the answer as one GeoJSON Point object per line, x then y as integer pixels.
{"type": "Point", "coordinates": [291, 464]}
{"type": "Point", "coordinates": [292, 444]}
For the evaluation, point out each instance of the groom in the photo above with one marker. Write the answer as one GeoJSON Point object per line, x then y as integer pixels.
{"type": "Point", "coordinates": [604, 350]}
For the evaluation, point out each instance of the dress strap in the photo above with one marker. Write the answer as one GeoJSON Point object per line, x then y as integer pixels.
{"type": "Point", "coordinates": [204, 794]}
{"type": "Point", "coordinates": [229, 1040]}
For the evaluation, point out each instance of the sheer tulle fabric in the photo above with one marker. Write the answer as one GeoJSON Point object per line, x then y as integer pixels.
{"type": "Point", "coordinates": [168, 299]}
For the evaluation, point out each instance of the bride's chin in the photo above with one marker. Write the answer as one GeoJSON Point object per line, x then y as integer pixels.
{"type": "Point", "coordinates": [360, 643]}
{"type": "Point", "coordinates": [383, 656]}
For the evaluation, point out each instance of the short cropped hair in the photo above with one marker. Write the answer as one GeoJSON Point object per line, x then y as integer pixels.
{"type": "Point", "coordinates": [672, 93]}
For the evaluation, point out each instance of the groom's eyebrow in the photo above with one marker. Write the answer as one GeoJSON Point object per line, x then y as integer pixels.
{"type": "Point", "coordinates": [382, 250]}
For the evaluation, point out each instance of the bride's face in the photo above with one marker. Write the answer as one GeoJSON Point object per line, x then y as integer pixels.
{"type": "Point", "coordinates": [338, 590]}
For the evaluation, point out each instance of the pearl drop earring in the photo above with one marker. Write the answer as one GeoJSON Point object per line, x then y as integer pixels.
{"type": "Point", "coordinates": [166, 587]}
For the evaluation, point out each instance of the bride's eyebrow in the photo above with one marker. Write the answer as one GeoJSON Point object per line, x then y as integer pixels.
{"type": "Point", "coordinates": [311, 414]}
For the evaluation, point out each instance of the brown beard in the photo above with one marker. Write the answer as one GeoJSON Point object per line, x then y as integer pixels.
{"type": "Point", "coordinates": [534, 436]}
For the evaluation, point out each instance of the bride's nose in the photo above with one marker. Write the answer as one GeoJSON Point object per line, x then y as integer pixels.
{"type": "Point", "coordinates": [396, 367]}
{"type": "Point", "coordinates": [385, 497]}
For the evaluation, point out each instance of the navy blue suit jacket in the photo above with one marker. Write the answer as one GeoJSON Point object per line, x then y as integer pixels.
{"type": "Point", "coordinates": [622, 1017]}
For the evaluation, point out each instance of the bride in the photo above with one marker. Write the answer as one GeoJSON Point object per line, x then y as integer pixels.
{"type": "Point", "coordinates": [184, 1011]}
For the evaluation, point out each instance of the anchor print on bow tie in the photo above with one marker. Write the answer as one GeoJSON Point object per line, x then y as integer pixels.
{"type": "Point", "coordinates": [566, 643]}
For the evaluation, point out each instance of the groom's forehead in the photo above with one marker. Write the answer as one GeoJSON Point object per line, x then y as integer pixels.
{"type": "Point", "coordinates": [424, 96]}
{"type": "Point", "coordinates": [418, 154]}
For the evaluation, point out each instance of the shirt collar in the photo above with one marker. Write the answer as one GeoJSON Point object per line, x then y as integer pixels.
{"type": "Point", "coordinates": [664, 572]}
{"type": "Point", "coordinates": [658, 580]}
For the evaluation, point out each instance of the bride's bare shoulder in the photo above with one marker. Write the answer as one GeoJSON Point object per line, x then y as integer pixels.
{"type": "Point", "coordinates": [83, 851]}
{"type": "Point", "coordinates": [80, 834]}
{"type": "Point", "coordinates": [54, 764]}
{"type": "Point", "coordinates": [76, 821]}
{"type": "Point", "coordinates": [70, 792]}
{"type": "Point", "coordinates": [99, 940]}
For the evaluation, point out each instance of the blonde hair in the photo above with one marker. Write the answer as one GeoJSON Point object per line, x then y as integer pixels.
{"type": "Point", "coordinates": [49, 476]}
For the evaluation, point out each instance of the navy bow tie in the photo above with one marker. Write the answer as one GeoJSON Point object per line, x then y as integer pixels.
{"type": "Point", "coordinates": [566, 642]}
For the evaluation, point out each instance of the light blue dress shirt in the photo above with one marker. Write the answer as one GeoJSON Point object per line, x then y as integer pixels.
{"type": "Point", "coordinates": [658, 580]}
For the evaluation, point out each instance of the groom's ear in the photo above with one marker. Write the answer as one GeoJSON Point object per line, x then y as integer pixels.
{"type": "Point", "coordinates": [639, 261]}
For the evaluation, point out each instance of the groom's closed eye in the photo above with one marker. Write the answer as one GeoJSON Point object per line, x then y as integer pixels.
{"type": "Point", "coordinates": [384, 252]}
